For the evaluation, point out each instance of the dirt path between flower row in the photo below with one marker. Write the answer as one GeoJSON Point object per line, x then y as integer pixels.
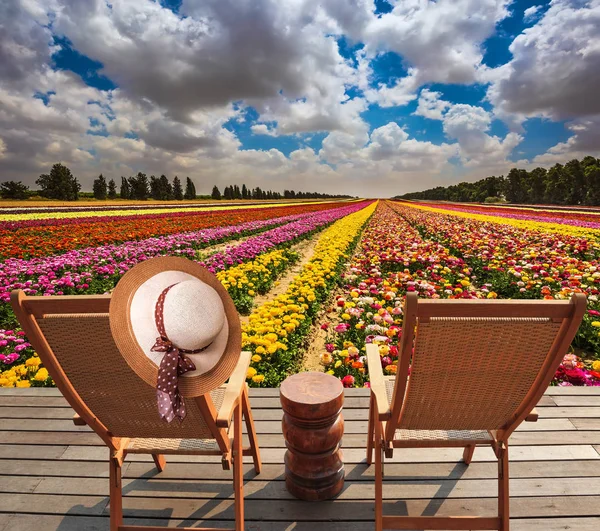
{"type": "Point", "coordinates": [317, 338]}
{"type": "Point", "coordinates": [305, 250]}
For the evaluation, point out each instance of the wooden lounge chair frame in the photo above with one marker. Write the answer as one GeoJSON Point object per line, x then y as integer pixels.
{"type": "Point", "coordinates": [402, 414]}
{"type": "Point", "coordinates": [32, 313]}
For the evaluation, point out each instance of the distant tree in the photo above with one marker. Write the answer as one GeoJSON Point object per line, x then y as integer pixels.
{"type": "Point", "coordinates": [557, 186]}
{"type": "Point", "coordinates": [154, 188]}
{"type": "Point", "coordinates": [112, 189]}
{"type": "Point", "coordinates": [216, 193]}
{"type": "Point", "coordinates": [237, 193]}
{"type": "Point", "coordinates": [244, 192]}
{"type": "Point", "coordinates": [516, 186]}
{"type": "Point", "coordinates": [59, 184]}
{"type": "Point", "coordinates": [166, 190]}
{"type": "Point", "coordinates": [576, 176]}
{"type": "Point", "coordinates": [537, 185]}
{"type": "Point", "coordinates": [125, 191]}
{"type": "Point", "coordinates": [139, 187]}
{"type": "Point", "coordinates": [592, 174]}
{"type": "Point", "coordinates": [99, 187]}
{"type": "Point", "coordinates": [177, 189]}
{"type": "Point", "coordinates": [190, 189]}
{"type": "Point", "coordinates": [14, 190]}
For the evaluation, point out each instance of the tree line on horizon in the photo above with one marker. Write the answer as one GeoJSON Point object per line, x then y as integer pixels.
{"type": "Point", "coordinates": [235, 192]}
{"type": "Point", "coordinates": [575, 183]}
{"type": "Point", "coordinates": [62, 185]}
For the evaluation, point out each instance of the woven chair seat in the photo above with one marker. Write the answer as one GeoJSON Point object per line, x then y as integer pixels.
{"type": "Point", "coordinates": [172, 446]}
{"type": "Point", "coordinates": [433, 435]}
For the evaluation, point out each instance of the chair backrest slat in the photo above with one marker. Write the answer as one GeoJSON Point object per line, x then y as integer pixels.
{"type": "Point", "coordinates": [475, 363]}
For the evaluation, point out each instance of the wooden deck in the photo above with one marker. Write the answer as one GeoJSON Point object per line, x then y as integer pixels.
{"type": "Point", "coordinates": [53, 475]}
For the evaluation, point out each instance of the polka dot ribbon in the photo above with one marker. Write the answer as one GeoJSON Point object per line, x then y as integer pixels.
{"type": "Point", "coordinates": [173, 364]}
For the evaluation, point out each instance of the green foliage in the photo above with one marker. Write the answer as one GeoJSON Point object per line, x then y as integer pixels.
{"type": "Point", "coordinates": [575, 183]}
{"type": "Point", "coordinates": [100, 188]}
{"type": "Point", "coordinates": [190, 189]}
{"type": "Point", "coordinates": [14, 190]}
{"type": "Point", "coordinates": [59, 184]}
{"type": "Point", "coordinates": [138, 186]}
{"type": "Point", "coordinates": [177, 189]}
{"type": "Point", "coordinates": [112, 189]}
{"type": "Point", "coordinates": [216, 193]}
{"type": "Point", "coordinates": [125, 189]}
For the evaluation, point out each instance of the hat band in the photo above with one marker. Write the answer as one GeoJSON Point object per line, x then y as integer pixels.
{"type": "Point", "coordinates": [173, 365]}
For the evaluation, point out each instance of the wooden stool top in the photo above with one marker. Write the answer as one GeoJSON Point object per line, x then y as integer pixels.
{"type": "Point", "coordinates": [312, 395]}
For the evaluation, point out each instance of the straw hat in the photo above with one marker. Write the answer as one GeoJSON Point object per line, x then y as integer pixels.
{"type": "Point", "coordinates": [171, 303]}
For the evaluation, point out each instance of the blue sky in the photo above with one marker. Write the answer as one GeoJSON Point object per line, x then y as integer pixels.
{"type": "Point", "coordinates": [387, 68]}
{"type": "Point", "coordinates": [366, 86]}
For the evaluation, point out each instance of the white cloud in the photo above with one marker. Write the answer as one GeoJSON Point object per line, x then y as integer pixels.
{"type": "Point", "coordinates": [263, 129]}
{"type": "Point", "coordinates": [437, 39]}
{"type": "Point", "coordinates": [555, 70]}
{"type": "Point", "coordinates": [469, 125]}
{"type": "Point", "coordinates": [531, 13]}
{"type": "Point", "coordinates": [430, 105]}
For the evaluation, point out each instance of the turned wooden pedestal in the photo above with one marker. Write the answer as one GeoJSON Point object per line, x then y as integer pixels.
{"type": "Point", "coordinates": [313, 427]}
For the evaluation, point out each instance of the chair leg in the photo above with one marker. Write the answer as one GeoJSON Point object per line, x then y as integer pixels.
{"type": "Point", "coordinates": [378, 477]}
{"type": "Point", "coordinates": [251, 429]}
{"type": "Point", "coordinates": [503, 489]}
{"type": "Point", "coordinates": [116, 495]}
{"type": "Point", "coordinates": [159, 461]}
{"type": "Point", "coordinates": [238, 468]}
{"type": "Point", "coordinates": [370, 433]}
{"type": "Point", "coordinates": [468, 453]}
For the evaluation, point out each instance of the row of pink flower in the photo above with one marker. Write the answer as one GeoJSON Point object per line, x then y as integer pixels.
{"type": "Point", "coordinates": [97, 269]}
{"type": "Point", "coordinates": [74, 269]}
{"type": "Point", "coordinates": [12, 344]}
{"type": "Point", "coordinates": [257, 245]}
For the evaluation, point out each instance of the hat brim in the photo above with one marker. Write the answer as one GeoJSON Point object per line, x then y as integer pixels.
{"type": "Point", "coordinates": [134, 329]}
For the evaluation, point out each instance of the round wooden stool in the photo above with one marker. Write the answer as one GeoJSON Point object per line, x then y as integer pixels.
{"type": "Point", "coordinates": [313, 427]}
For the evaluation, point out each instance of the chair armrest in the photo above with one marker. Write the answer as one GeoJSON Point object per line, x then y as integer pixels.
{"type": "Point", "coordinates": [533, 416]}
{"type": "Point", "coordinates": [377, 382]}
{"type": "Point", "coordinates": [233, 390]}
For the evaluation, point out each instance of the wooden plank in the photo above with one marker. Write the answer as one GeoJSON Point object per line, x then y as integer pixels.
{"type": "Point", "coordinates": [293, 510]}
{"type": "Point", "coordinates": [569, 412]}
{"type": "Point", "coordinates": [586, 424]}
{"type": "Point", "coordinates": [258, 489]}
{"type": "Point", "coordinates": [276, 440]}
{"type": "Point", "coordinates": [275, 472]}
{"type": "Point", "coordinates": [586, 400]}
{"type": "Point", "coordinates": [571, 391]}
{"type": "Point", "coordinates": [53, 468]}
{"type": "Point", "coordinates": [544, 438]}
{"type": "Point", "coordinates": [27, 522]}
{"type": "Point", "coordinates": [357, 455]}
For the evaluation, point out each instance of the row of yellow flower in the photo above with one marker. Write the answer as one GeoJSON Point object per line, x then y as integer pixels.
{"type": "Point", "coordinates": [584, 232]}
{"type": "Point", "coordinates": [246, 280]}
{"type": "Point", "coordinates": [28, 374]}
{"type": "Point", "coordinates": [135, 211]}
{"type": "Point", "coordinates": [276, 330]}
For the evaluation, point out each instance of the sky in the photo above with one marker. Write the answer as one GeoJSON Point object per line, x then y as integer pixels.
{"type": "Point", "coordinates": [362, 97]}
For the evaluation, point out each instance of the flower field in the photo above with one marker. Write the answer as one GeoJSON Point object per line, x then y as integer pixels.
{"type": "Point", "coordinates": [439, 254]}
{"type": "Point", "coordinates": [266, 246]}
{"type": "Point", "coordinates": [347, 287]}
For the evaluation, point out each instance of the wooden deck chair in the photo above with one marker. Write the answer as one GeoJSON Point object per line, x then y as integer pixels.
{"type": "Point", "coordinates": [477, 370]}
{"type": "Point", "coordinates": [73, 338]}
